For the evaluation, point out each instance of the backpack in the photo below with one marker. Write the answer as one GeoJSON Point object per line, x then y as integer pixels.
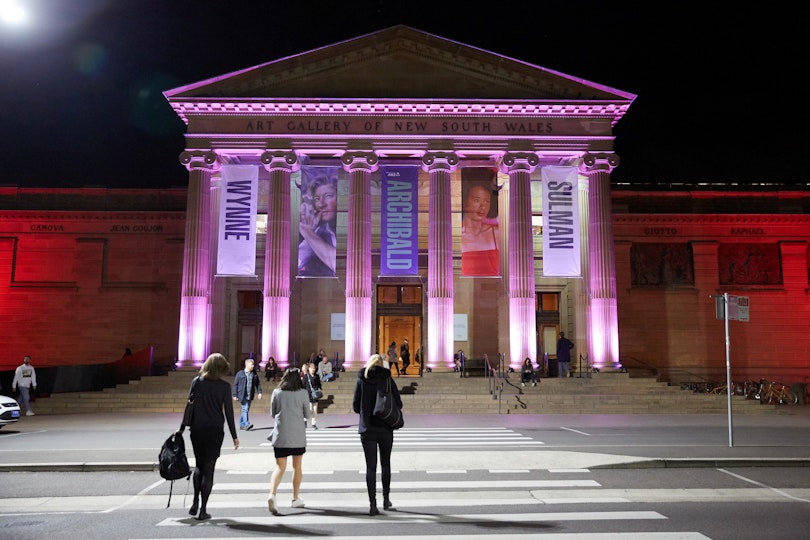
{"type": "Point", "coordinates": [173, 462]}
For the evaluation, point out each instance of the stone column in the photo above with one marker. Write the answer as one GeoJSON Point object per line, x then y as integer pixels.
{"type": "Point", "coordinates": [522, 315]}
{"type": "Point", "coordinates": [276, 306]}
{"type": "Point", "coordinates": [359, 165]}
{"type": "Point", "coordinates": [603, 349]}
{"type": "Point", "coordinates": [194, 338]}
{"type": "Point", "coordinates": [440, 260]}
{"type": "Point", "coordinates": [582, 333]}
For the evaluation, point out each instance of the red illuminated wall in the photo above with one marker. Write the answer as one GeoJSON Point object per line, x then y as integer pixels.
{"type": "Point", "coordinates": [758, 247]}
{"type": "Point", "coordinates": [78, 287]}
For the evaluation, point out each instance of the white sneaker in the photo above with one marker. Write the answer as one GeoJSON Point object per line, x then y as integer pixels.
{"type": "Point", "coordinates": [297, 503]}
{"type": "Point", "coordinates": [30, 413]}
{"type": "Point", "coordinates": [523, 385]}
{"type": "Point", "coordinates": [271, 505]}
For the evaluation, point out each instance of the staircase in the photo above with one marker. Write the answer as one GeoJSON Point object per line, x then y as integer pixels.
{"type": "Point", "coordinates": [435, 393]}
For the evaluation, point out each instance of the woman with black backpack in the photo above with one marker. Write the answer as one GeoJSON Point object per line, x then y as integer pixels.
{"type": "Point", "coordinates": [213, 406]}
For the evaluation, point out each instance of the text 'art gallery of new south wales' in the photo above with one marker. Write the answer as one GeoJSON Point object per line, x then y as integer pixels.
{"type": "Point", "coordinates": [398, 186]}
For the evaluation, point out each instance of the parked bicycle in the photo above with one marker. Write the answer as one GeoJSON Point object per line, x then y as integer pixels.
{"type": "Point", "coordinates": [776, 392]}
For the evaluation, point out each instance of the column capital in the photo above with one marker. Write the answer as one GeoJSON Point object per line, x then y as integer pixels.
{"type": "Point", "coordinates": [360, 160]}
{"type": "Point", "coordinates": [435, 161]}
{"type": "Point", "coordinates": [280, 160]}
{"type": "Point", "coordinates": [519, 161]}
{"type": "Point", "coordinates": [199, 159]}
{"type": "Point", "coordinates": [598, 162]}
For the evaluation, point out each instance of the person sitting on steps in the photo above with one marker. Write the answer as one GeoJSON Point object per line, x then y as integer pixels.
{"type": "Point", "coordinates": [527, 373]}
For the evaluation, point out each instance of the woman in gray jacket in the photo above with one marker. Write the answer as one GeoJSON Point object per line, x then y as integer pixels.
{"type": "Point", "coordinates": [289, 406]}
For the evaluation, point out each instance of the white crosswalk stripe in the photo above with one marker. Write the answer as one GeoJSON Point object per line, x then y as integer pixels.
{"type": "Point", "coordinates": [465, 536]}
{"type": "Point", "coordinates": [424, 438]}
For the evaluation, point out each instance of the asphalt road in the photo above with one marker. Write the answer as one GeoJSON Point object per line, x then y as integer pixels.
{"type": "Point", "coordinates": [131, 441]}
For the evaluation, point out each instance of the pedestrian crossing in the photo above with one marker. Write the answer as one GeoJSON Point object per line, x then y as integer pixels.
{"type": "Point", "coordinates": [510, 504]}
{"type": "Point", "coordinates": [470, 491]}
{"type": "Point", "coordinates": [433, 500]}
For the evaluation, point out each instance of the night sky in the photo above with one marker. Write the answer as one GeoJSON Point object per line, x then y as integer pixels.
{"type": "Point", "coordinates": [721, 96]}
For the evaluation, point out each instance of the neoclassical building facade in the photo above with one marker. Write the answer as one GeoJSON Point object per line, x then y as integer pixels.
{"type": "Point", "coordinates": [398, 128]}
{"type": "Point", "coordinates": [400, 97]}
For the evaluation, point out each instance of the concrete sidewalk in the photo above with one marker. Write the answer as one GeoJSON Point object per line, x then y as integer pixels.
{"type": "Point", "coordinates": [130, 442]}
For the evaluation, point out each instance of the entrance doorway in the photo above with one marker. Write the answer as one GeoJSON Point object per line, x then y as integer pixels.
{"type": "Point", "coordinates": [548, 326]}
{"type": "Point", "coordinates": [249, 339]}
{"type": "Point", "coordinates": [399, 317]}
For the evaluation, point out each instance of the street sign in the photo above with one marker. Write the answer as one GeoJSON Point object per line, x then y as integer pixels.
{"type": "Point", "coordinates": [738, 308]}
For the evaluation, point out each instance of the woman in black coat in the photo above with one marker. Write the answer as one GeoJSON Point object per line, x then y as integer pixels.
{"type": "Point", "coordinates": [374, 433]}
{"type": "Point", "coordinates": [213, 407]}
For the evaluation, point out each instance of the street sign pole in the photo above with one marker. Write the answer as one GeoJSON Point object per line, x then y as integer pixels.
{"type": "Point", "coordinates": [729, 389]}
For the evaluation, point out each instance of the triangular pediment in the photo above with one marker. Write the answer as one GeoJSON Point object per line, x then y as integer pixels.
{"type": "Point", "coordinates": [399, 63]}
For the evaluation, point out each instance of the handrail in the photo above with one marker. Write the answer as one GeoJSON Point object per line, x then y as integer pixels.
{"type": "Point", "coordinates": [588, 367]}
{"type": "Point", "coordinates": [494, 384]}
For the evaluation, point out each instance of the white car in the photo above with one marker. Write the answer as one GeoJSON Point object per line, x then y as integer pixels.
{"type": "Point", "coordinates": [9, 410]}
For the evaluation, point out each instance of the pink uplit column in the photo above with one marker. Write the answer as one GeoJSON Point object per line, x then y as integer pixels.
{"type": "Point", "coordinates": [582, 305]}
{"type": "Point", "coordinates": [193, 341]}
{"type": "Point", "coordinates": [522, 318]}
{"type": "Point", "coordinates": [604, 324]}
{"type": "Point", "coordinates": [440, 260]}
{"type": "Point", "coordinates": [276, 307]}
{"type": "Point", "coordinates": [359, 165]}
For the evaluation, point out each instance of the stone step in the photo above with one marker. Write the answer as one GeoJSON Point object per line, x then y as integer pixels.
{"type": "Point", "coordinates": [443, 393]}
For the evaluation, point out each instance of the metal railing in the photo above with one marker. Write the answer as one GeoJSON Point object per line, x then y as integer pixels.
{"type": "Point", "coordinates": [494, 379]}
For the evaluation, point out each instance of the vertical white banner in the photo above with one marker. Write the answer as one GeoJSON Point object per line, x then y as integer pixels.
{"type": "Point", "coordinates": [236, 253]}
{"type": "Point", "coordinates": [560, 222]}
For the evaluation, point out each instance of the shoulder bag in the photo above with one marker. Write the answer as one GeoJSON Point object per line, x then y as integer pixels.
{"type": "Point", "coordinates": [314, 393]}
{"type": "Point", "coordinates": [386, 409]}
{"type": "Point", "coordinates": [188, 413]}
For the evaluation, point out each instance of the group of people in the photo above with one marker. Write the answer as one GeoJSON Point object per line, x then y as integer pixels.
{"type": "Point", "coordinates": [292, 406]}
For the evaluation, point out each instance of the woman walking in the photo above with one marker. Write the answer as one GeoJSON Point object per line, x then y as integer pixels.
{"type": "Point", "coordinates": [290, 408]}
{"type": "Point", "coordinates": [374, 433]}
{"type": "Point", "coordinates": [213, 406]}
{"type": "Point", "coordinates": [312, 382]}
{"type": "Point", "coordinates": [393, 359]}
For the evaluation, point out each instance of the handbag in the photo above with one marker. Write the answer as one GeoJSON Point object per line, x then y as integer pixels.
{"type": "Point", "coordinates": [188, 413]}
{"type": "Point", "coordinates": [314, 393]}
{"type": "Point", "coordinates": [386, 409]}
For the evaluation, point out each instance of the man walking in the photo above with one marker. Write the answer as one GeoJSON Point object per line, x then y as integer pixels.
{"type": "Point", "coordinates": [246, 386]}
{"type": "Point", "coordinates": [25, 379]}
{"type": "Point", "coordinates": [564, 346]}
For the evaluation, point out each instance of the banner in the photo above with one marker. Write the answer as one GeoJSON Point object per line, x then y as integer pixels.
{"type": "Point", "coordinates": [236, 252]}
{"type": "Point", "coordinates": [317, 222]}
{"type": "Point", "coordinates": [480, 238]}
{"type": "Point", "coordinates": [561, 253]}
{"type": "Point", "coordinates": [399, 234]}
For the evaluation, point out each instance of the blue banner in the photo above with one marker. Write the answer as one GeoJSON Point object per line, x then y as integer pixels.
{"type": "Point", "coordinates": [399, 236]}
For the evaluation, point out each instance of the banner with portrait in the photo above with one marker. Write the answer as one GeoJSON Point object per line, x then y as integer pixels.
{"type": "Point", "coordinates": [480, 237]}
{"type": "Point", "coordinates": [561, 251]}
{"type": "Point", "coordinates": [236, 245]}
{"type": "Point", "coordinates": [317, 222]}
{"type": "Point", "coordinates": [399, 234]}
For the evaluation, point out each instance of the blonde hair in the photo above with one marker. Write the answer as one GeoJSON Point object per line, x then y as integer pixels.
{"type": "Point", "coordinates": [373, 361]}
{"type": "Point", "coordinates": [215, 366]}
